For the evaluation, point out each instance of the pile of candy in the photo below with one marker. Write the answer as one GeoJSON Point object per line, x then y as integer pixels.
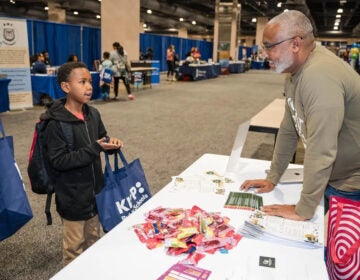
{"type": "Point", "coordinates": [193, 231]}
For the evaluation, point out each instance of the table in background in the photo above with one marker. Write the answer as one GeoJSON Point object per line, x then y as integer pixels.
{"type": "Point", "coordinates": [4, 95]}
{"type": "Point", "coordinates": [152, 77]}
{"type": "Point", "coordinates": [268, 119]}
{"type": "Point", "coordinates": [236, 66]}
{"type": "Point", "coordinates": [257, 64]}
{"type": "Point", "coordinates": [199, 71]}
{"type": "Point", "coordinates": [145, 72]}
{"type": "Point", "coordinates": [48, 85]}
{"type": "Point", "coordinates": [120, 255]}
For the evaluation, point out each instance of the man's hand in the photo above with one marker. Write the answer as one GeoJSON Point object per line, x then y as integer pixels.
{"type": "Point", "coordinates": [284, 211]}
{"type": "Point", "coordinates": [262, 185]}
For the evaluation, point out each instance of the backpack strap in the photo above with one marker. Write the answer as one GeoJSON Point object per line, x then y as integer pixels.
{"type": "Point", "coordinates": [69, 136]}
{"type": "Point", "coordinates": [47, 209]}
{"type": "Point", "coordinates": [68, 133]}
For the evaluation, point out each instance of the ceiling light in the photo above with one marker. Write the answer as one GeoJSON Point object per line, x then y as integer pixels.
{"type": "Point", "coordinates": [337, 20]}
{"type": "Point", "coordinates": [149, 11]}
{"type": "Point", "coordinates": [336, 27]}
{"type": "Point", "coordinates": [336, 24]}
{"type": "Point", "coordinates": [46, 8]}
{"type": "Point", "coordinates": [339, 11]}
{"type": "Point", "coordinates": [144, 25]}
{"type": "Point", "coordinates": [12, 1]}
{"type": "Point", "coordinates": [181, 19]}
{"type": "Point", "coordinates": [342, 1]}
{"type": "Point", "coordinates": [338, 16]}
{"type": "Point", "coordinates": [98, 16]}
{"type": "Point", "coordinates": [279, 5]}
{"type": "Point", "coordinates": [76, 12]}
{"type": "Point", "coordinates": [253, 19]}
{"type": "Point", "coordinates": [193, 22]}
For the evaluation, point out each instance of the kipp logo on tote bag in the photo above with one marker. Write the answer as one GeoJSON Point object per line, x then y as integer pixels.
{"type": "Point", "coordinates": [125, 190]}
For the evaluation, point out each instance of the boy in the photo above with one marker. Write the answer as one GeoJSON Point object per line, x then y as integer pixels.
{"type": "Point", "coordinates": [77, 171]}
{"type": "Point", "coordinates": [106, 74]}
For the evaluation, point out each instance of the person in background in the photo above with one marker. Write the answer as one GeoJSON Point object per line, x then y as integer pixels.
{"type": "Point", "coordinates": [106, 74]}
{"type": "Point", "coordinates": [118, 57]}
{"type": "Point", "coordinates": [33, 58]}
{"type": "Point", "coordinates": [196, 54]}
{"type": "Point", "coordinates": [73, 58]}
{"type": "Point", "coordinates": [141, 55]}
{"type": "Point", "coordinates": [149, 55]}
{"type": "Point", "coordinates": [78, 171]}
{"type": "Point", "coordinates": [189, 53]}
{"type": "Point", "coordinates": [322, 95]}
{"type": "Point", "coordinates": [46, 58]}
{"type": "Point", "coordinates": [39, 67]}
{"type": "Point", "coordinates": [170, 60]}
{"type": "Point", "coordinates": [354, 56]}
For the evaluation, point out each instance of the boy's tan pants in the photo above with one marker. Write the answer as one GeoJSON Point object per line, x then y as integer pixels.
{"type": "Point", "coordinates": [78, 236]}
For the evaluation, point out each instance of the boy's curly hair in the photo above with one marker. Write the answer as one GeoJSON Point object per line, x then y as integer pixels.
{"type": "Point", "coordinates": [64, 71]}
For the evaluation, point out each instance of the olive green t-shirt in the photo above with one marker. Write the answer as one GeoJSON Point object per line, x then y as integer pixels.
{"type": "Point", "coordinates": [323, 110]}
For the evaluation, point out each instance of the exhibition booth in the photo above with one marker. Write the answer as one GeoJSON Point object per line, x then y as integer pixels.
{"type": "Point", "coordinates": [121, 255]}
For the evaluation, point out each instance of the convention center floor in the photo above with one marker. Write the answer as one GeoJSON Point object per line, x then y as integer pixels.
{"type": "Point", "coordinates": [168, 127]}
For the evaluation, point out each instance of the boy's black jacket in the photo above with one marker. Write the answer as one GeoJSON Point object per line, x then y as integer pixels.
{"type": "Point", "coordinates": [78, 172]}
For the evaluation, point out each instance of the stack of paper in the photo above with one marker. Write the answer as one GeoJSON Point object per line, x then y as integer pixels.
{"type": "Point", "coordinates": [279, 230]}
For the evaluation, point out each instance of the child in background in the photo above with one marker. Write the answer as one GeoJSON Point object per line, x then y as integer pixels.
{"type": "Point", "coordinates": [106, 74]}
{"type": "Point", "coordinates": [77, 169]}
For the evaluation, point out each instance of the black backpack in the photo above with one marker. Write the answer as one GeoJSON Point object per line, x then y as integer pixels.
{"type": "Point", "coordinates": [39, 172]}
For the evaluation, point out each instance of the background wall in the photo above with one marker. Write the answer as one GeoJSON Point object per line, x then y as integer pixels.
{"type": "Point", "coordinates": [61, 40]}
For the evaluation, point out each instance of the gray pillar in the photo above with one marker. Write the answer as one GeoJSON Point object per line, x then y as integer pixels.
{"type": "Point", "coordinates": [234, 29]}
{"type": "Point", "coordinates": [120, 21]}
{"type": "Point", "coordinates": [260, 26]}
{"type": "Point", "coordinates": [216, 31]}
{"type": "Point", "coordinates": [227, 15]}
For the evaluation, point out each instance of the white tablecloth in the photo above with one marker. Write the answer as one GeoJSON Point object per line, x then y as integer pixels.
{"type": "Point", "coordinates": [120, 255]}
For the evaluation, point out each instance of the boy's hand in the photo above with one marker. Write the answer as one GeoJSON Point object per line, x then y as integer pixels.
{"type": "Point", "coordinates": [110, 143]}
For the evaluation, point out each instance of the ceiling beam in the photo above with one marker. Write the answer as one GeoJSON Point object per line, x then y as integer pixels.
{"type": "Point", "coordinates": [175, 10]}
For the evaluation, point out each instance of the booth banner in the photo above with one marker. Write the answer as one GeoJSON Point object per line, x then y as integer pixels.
{"type": "Point", "coordinates": [14, 61]}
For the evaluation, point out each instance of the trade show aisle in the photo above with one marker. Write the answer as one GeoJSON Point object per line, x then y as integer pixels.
{"type": "Point", "coordinates": [168, 127]}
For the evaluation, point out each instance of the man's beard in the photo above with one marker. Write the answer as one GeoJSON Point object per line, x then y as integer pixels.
{"type": "Point", "coordinates": [283, 64]}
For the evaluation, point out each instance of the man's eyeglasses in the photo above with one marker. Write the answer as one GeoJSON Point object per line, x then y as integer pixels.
{"type": "Point", "coordinates": [267, 46]}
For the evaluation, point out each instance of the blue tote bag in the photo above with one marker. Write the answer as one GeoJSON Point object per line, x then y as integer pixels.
{"type": "Point", "coordinates": [15, 209]}
{"type": "Point", "coordinates": [125, 190]}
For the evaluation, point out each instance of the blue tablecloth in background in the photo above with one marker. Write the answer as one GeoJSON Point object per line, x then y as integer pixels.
{"type": "Point", "coordinates": [236, 67]}
{"type": "Point", "coordinates": [217, 68]}
{"type": "Point", "coordinates": [257, 64]}
{"type": "Point", "coordinates": [4, 95]}
{"type": "Point", "coordinates": [47, 84]}
{"type": "Point", "coordinates": [199, 71]}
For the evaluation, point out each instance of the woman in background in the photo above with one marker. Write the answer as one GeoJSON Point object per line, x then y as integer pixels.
{"type": "Point", "coordinates": [170, 60]}
{"type": "Point", "coordinates": [118, 57]}
{"type": "Point", "coordinates": [73, 58]}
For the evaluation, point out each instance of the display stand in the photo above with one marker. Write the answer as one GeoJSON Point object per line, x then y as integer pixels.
{"type": "Point", "coordinates": [4, 95]}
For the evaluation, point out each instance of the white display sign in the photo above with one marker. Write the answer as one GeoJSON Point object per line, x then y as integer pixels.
{"type": "Point", "coordinates": [14, 61]}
